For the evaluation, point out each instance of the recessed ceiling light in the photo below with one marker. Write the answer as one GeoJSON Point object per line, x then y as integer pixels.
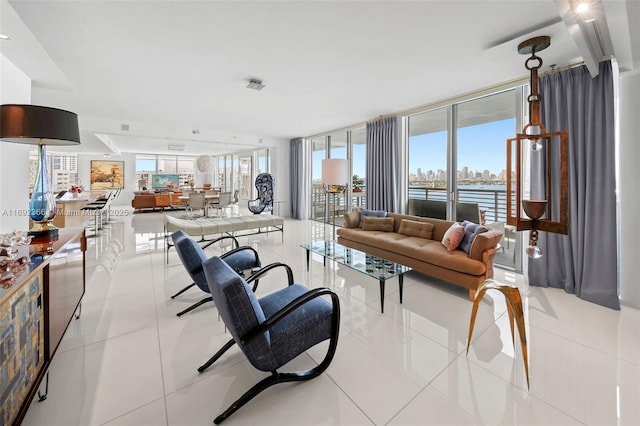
{"type": "Point", "coordinates": [4, 37]}
{"type": "Point", "coordinates": [255, 84]}
{"type": "Point", "coordinates": [582, 7]}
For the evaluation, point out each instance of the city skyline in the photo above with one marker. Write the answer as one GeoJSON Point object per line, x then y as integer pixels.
{"type": "Point", "coordinates": [480, 147]}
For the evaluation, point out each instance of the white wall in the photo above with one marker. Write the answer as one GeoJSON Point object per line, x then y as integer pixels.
{"type": "Point", "coordinates": [629, 193]}
{"type": "Point", "coordinates": [15, 88]}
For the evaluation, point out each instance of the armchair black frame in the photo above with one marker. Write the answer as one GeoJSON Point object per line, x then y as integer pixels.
{"type": "Point", "coordinates": [195, 270]}
{"type": "Point", "coordinates": [269, 323]}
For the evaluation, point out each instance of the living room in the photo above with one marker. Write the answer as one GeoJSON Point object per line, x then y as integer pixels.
{"type": "Point", "coordinates": [20, 86]}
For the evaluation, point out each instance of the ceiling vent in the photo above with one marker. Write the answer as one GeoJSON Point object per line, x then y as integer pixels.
{"type": "Point", "coordinates": [176, 147]}
{"type": "Point", "coordinates": [599, 41]}
{"type": "Point", "coordinates": [255, 84]}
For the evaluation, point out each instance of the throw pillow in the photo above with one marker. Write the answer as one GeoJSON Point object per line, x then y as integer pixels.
{"type": "Point", "coordinates": [352, 219]}
{"type": "Point", "coordinates": [378, 224]}
{"type": "Point", "coordinates": [371, 213]}
{"type": "Point", "coordinates": [452, 238]}
{"type": "Point", "coordinates": [471, 231]}
{"type": "Point", "coordinates": [413, 228]}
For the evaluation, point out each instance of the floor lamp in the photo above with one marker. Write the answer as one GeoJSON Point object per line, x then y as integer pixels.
{"type": "Point", "coordinates": [335, 178]}
{"type": "Point", "coordinates": [38, 125]}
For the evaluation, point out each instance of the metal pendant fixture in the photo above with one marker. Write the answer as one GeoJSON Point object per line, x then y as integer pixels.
{"type": "Point", "coordinates": [540, 202]}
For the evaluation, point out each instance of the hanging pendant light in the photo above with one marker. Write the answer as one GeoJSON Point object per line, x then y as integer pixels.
{"type": "Point", "coordinates": [547, 178]}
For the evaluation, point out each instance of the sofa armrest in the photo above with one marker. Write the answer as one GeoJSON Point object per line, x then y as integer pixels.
{"type": "Point", "coordinates": [483, 242]}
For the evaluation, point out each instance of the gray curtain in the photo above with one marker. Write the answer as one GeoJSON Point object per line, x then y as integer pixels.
{"type": "Point", "coordinates": [299, 186]}
{"type": "Point", "coordinates": [585, 261]}
{"type": "Point", "coordinates": [382, 164]}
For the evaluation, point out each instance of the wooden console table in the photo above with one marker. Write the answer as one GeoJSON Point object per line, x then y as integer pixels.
{"type": "Point", "coordinates": [35, 310]}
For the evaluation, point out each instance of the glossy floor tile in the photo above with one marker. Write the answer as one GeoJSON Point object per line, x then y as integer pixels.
{"type": "Point", "coordinates": [129, 360]}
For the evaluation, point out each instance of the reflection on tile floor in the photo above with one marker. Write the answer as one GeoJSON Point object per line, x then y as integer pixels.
{"type": "Point", "coordinates": [130, 361]}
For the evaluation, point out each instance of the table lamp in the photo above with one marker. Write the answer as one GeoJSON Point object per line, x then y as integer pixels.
{"type": "Point", "coordinates": [335, 177]}
{"type": "Point", "coordinates": [39, 125]}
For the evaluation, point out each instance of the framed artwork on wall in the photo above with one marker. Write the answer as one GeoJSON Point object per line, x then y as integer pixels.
{"type": "Point", "coordinates": [107, 174]}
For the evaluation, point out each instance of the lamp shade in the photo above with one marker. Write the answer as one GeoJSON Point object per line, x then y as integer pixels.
{"type": "Point", "coordinates": [335, 171]}
{"type": "Point", "coordinates": [35, 125]}
{"type": "Point", "coordinates": [204, 164]}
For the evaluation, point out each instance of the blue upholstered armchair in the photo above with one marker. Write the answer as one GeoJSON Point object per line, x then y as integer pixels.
{"type": "Point", "coordinates": [192, 256]}
{"type": "Point", "coordinates": [272, 330]}
{"type": "Point", "coordinates": [264, 202]}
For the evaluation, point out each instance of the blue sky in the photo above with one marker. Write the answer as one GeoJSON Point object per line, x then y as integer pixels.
{"type": "Point", "coordinates": [480, 147]}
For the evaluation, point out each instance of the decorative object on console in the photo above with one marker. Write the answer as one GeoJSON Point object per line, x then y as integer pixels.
{"type": "Point", "coordinates": [107, 174]}
{"type": "Point", "coordinates": [548, 157]}
{"type": "Point", "coordinates": [76, 189]}
{"type": "Point", "coordinates": [39, 125]}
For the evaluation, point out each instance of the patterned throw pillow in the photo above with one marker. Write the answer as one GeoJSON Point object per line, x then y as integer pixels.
{"type": "Point", "coordinates": [372, 213]}
{"type": "Point", "coordinates": [378, 224]}
{"type": "Point", "coordinates": [471, 231]}
{"type": "Point", "coordinates": [453, 236]}
{"type": "Point", "coordinates": [413, 228]}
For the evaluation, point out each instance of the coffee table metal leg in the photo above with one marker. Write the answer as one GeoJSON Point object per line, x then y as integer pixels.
{"type": "Point", "coordinates": [400, 284]}
{"type": "Point", "coordinates": [382, 295]}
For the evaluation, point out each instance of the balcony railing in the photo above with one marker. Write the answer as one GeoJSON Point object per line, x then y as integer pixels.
{"type": "Point", "coordinates": [492, 201]}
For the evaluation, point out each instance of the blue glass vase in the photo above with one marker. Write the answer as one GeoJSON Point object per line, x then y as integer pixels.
{"type": "Point", "coordinates": [42, 207]}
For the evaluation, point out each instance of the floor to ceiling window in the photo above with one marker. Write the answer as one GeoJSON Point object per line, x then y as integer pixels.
{"type": "Point", "coordinates": [483, 126]}
{"type": "Point", "coordinates": [149, 165]}
{"type": "Point", "coordinates": [457, 171]}
{"type": "Point", "coordinates": [318, 153]}
{"type": "Point", "coordinates": [428, 137]}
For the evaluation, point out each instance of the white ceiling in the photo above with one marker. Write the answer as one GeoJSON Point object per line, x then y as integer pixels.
{"type": "Point", "coordinates": [167, 68]}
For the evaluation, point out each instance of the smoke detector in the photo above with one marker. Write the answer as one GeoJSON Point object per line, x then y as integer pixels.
{"type": "Point", "coordinates": [255, 84]}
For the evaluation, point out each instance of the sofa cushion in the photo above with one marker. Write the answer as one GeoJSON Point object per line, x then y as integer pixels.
{"type": "Point", "coordinates": [384, 224]}
{"type": "Point", "coordinates": [372, 213]}
{"type": "Point", "coordinates": [453, 237]}
{"type": "Point", "coordinates": [421, 249]}
{"type": "Point", "coordinates": [413, 228]}
{"type": "Point", "coordinates": [471, 231]}
{"type": "Point", "coordinates": [352, 219]}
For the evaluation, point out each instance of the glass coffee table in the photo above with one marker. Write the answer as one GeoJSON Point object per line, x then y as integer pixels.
{"type": "Point", "coordinates": [370, 265]}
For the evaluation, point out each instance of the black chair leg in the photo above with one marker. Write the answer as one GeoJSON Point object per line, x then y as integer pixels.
{"type": "Point", "coordinates": [217, 355]}
{"type": "Point", "coordinates": [183, 290]}
{"type": "Point", "coordinates": [195, 305]}
{"type": "Point", "coordinates": [276, 377]}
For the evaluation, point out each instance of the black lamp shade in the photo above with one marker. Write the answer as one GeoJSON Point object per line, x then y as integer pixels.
{"type": "Point", "coordinates": [32, 124]}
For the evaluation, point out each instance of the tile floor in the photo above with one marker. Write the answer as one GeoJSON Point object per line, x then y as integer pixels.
{"type": "Point", "coordinates": [130, 361]}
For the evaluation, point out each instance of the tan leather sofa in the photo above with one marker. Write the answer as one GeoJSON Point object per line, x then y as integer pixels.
{"type": "Point", "coordinates": [428, 256]}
